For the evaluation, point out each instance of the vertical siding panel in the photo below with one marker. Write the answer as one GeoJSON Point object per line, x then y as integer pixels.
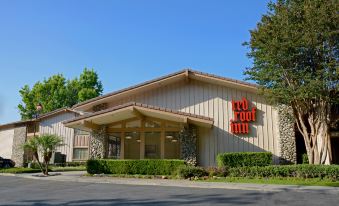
{"type": "Point", "coordinates": [261, 113]}
{"type": "Point", "coordinates": [255, 124]}
{"type": "Point", "coordinates": [177, 96]}
{"type": "Point", "coordinates": [231, 136]}
{"type": "Point", "coordinates": [191, 97]}
{"type": "Point", "coordinates": [216, 119]}
{"type": "Point", "coordinates": [225, 120]}
{"type": "Point", "coordinates": [264, 119]}
{"type": "Point", "coordinates": [270, 129]}
{"type": "Point", "coordinates": [221, 127]}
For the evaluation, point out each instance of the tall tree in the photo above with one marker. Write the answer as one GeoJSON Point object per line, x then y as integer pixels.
{"type": "Point", "coordinates": [295, 61]}
{"type": "Point", "coordinates": [57, 92]}
{"type": "Point", "coordinates": [89, 85]}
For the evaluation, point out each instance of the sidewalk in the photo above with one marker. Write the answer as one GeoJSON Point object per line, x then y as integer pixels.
{"type": "Point", "coordinates": [77, 176]}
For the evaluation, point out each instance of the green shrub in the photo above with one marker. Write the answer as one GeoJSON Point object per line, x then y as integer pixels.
{"type": "Point", "coordinates": [242, 159]}
{"type": "Point", "coordinates": [75, 164]}
{"type": "Point", "coordinates": [305, 159]}
{"type": "Point", "coordinates": [300, 171]}
{"type": "Point", "coordinates": [218, 171]}
{"type": "Point", "coordinates": [187, 171]}
{"type": "Point", "coordinates": [142, 167]}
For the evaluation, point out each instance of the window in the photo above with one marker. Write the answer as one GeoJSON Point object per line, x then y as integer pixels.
{"type": "Point", "coordinates": [133, 124]}
{"type": "Point", "coordinates": [114, 146]}
{"type": "Point", "coordinates": [152, 145]}
{"type": "Point", "coordinates": [152, 124]}
{"type": "Point", "coordinates": [80, 153]}
{"type": "Point", "coordinates": [132, 145]}
{"type": "Point", "coordinates": [81, 132]}
{"type": "Point", "coordinates": [172, 145]}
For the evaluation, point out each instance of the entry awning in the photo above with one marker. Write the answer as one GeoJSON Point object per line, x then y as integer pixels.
{"type": "Point", "coordinates": [130, 110]}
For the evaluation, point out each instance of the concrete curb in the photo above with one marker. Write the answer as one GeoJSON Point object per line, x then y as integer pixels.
{"type": "Point", "coordinates": [78, 177]}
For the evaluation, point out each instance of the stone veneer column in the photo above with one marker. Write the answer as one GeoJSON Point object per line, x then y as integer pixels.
{"type": "Point", "coordinates": [17, 149]}
{"type": "Point", "coordinates": [188, 139]}
{"type": "Point", "coordinates": [98, 144]}
{"type": "Point", "coordinates": [287, 141]}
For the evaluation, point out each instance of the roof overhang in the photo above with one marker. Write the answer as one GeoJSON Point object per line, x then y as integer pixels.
{"type": "Point", "coordinates": [184, 75]}
{"type": "Point", "coordinates": [93, 121]}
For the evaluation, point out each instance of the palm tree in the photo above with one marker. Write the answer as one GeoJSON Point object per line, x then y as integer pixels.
{"type": "Point", "coordinates": [44, 145]}
{"type": "Point", "coordinates": [32, 145]}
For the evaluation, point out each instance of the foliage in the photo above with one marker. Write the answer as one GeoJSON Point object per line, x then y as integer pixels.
{"type": "Point", "coordinates": [75, 164]}
{"type": "Point", "coordinates": [295, 61]}
{"type": "Point", "coordinates": [218, 171]}
{"type": "Point", "coordinates": [305, 159]}
{"type": "Point", "coordinates": [300, 171]}
{"type": "Point", "coordinates": [142, 167]}
{"type": "Point", "coordinates": [44, 145]}
{"type": "Point", "coordinates": [240, 159]}
{"type": "Point", "coordinates": [187, 171]}
{"type": "Point", "coordinates": [57, 92]}
{"type": "Point", "coordinates": [19, 170]}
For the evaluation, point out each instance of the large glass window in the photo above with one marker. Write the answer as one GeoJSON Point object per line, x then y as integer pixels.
{"type": "Point", "coordinates": [172, 145]}
{"type": "Point", "coordinates": [133, 124]}
{"type": "Point", "coordinates": [80, 153]}
{"type": "Point", "coordinates": [152, 124]}
{"type": "Point", "coordinates": [152, 145]}
{"type": "Point", "coordinates": [114, 146]}
{"type": "Point", "coordinates": [132, 145]}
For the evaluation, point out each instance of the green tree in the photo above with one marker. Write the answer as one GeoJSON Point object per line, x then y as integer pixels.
{"type": "Point", "coordinates": [89, 85]}
{"type": "Point", "coordinates": [44, 145]}
{"type": "Point", "coordinates": [57, 92]}
{"type": "Point", "coordinates": [295, 61]}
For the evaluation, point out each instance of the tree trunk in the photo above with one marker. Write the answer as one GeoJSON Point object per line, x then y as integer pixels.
{"type": "Point", "coordinates": [313, 124]}
{"type": "Point", "coordinates": [324, 144]}
{"type": "Point", "coordinates": [36, 156]}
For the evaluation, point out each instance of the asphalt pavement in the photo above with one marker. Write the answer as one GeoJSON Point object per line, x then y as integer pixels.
{"type": "Point", "coordinates": [16, 190]}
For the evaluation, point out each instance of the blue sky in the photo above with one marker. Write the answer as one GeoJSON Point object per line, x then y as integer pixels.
{"type": "Point", "coordinates": [125, 41]}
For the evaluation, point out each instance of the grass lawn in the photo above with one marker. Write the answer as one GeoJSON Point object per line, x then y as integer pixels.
{"type": "Point", "coordinates": [66, 169]}
{"type": "Point", "coordinates": [279, 181]}
{"type": "Point", "coordinates": [19, 170]}
{"type": "Point", "coordinates": [16, 170]}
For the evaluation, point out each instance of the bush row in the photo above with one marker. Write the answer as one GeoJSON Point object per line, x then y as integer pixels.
{"type": "Point", "coordinates": [300, 171]}
{"type": "Point", "coordinates": [242, 159]}
{"type": "Point", "coordinates": [142, 167]}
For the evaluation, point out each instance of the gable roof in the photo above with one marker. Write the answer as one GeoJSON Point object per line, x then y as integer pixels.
{"type": "Point", "coordinates": [171, 78]}
{"type": "Point", "coordinates": [133, 110]}
{"type": "Point", "coordinates": [43, 116]}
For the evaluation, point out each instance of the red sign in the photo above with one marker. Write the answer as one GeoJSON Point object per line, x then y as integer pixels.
{"type": "Point", "coordinates": [242, 116]}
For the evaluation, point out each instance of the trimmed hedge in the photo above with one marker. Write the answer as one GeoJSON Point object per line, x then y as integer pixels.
{"type": "Point", "coordinates": [142, 167]}
{"type": "Point", "coordinates": [301, 171]}
{"type": "Point", "coordinates": [242, 159]}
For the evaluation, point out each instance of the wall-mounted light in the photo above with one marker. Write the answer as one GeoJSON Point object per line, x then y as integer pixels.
{"type": "Point", "coordinates": [169, 137]}
{"type": "Point", "coordinates": [128, 137]}
{"type": "Point", "coordinates": [174, 140]}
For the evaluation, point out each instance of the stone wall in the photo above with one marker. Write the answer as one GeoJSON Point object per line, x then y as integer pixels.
{"type": "Point", "coordinates": [97, 144]}
{"type": "Point", "coordinates": [17, 150]}
{"type": "Point", "coordinates": [287, 140]}
{"type": "Point", "coordinates": [188, 139]}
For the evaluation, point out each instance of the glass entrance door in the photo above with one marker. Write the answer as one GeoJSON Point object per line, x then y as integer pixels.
{"type": "Point", "coordinates": [152, 145]}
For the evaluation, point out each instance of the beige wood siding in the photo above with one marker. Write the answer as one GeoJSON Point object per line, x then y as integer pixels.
{"type": "Point", "coordinates": [6, 142]}
{"type": "Point", "coordinates": [54, 125]}
{"type": "Point", "coordinates": [215, 101]}
{"type": "Point", "coordinates": [81, 140]}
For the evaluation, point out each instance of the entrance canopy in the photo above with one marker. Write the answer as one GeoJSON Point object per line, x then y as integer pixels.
{"type": "Point", "coordinates": [131, 111]}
